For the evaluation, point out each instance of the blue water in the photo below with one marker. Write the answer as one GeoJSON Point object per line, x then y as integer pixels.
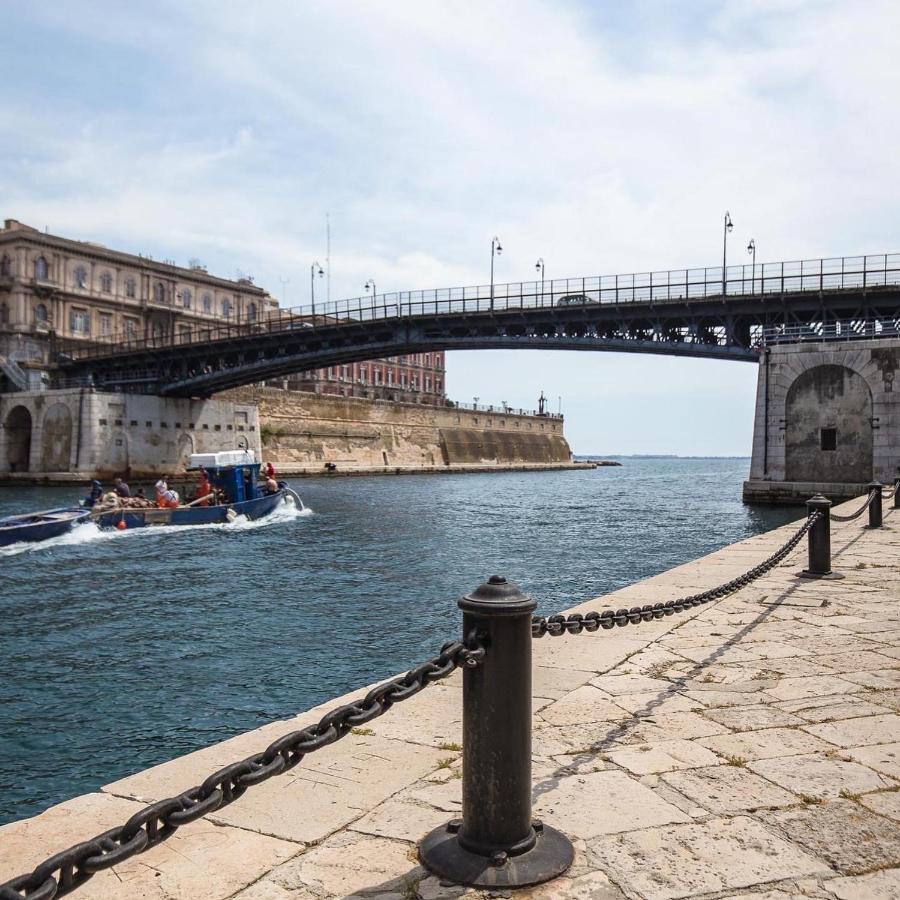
{"type": "Point", "coordinates": [122, 650]}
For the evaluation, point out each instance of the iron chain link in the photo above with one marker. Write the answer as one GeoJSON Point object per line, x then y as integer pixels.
{"type": "Point", "coordinates": [872, 495]}
{"type": "Point", "coordinates": [576, 623]}
{"type": "Point", "coordinates": [64, 872]}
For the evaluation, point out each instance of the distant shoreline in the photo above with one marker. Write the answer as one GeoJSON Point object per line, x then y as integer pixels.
{"type": "Point", "coordinates": [593, 456]}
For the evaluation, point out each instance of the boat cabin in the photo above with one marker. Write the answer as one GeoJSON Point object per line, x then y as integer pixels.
{"type": "Point", "coordinates": [234, 472]}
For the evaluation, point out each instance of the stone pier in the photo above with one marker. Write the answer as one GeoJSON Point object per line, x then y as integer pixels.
{"type": "Point", "coordinates": [747, 750]}
{"type": "Point", "coordinates": [827, 420]}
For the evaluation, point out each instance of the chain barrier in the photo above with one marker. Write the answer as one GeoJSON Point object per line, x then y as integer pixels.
{"type": "Point", "coordinates": [888, 494]}
{"type": "Point", "coordinates": [64, 872]}
{"type": "Point", "coordinates": [576, 623]}
{"type": "Point", "coordinates": [859, 512]}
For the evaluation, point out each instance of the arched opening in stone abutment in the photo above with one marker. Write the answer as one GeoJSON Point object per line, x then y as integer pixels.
{"type": "Point", "coordinates": [56, 439]}
{"type": "Point", "coordinates": [18, 439]}
{"type": "Point", "coordinates": [828, 427]}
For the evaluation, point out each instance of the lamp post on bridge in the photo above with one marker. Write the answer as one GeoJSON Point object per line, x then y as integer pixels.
{"type": "Point", "coordinates": [726, 228]}
{"type": "Point", "coordinates": [539, 266]}
{"type": "Point", "coordinates": [751, 249]}
{"type": "Point", "coordinates": [314, 269]}
{"type": "Point", "coordinates": [496, 250]}
{"type": "Point", "coordinates": [370, 286]}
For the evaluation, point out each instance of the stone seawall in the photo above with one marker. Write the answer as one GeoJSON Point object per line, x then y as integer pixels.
{"type": "Point", "coordinates": [304, 432]}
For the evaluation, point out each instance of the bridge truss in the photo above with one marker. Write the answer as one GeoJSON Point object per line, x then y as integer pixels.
{"type": "Point", "coordinates": [690, 312]}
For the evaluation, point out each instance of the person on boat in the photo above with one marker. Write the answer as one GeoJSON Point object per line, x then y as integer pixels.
{"type": "Point", "coordinates": [270, 470]}
{"type": "Point", "coordinates": [271, 485]}
{"type": "Point", "coordinates": [204, 490]}
{"type": "Point", "coordinates": [95, 495]}
{"type": "Point", "coordinates": [122, 488]}
{"type": "Point", "coordinates": [165, 498]}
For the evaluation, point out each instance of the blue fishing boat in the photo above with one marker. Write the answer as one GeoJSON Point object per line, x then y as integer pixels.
{"type": "Point", "coordinates": [234, 490]}
{"type": "Point", "coordinates": [40, 525]}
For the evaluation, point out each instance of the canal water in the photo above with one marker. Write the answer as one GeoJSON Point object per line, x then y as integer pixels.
{"type": "Point", "coordinates": [122, 650]}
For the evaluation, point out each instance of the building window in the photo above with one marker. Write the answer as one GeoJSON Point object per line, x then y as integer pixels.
{"type": "Point", "coordinates": [427, 384]}
{"type": "Point", "coordinates": [363, 375]}
{"type": "Point", "coordinates": [251, 312]}
{"type": "Point", "coordinates": [130, 287]}
{"type": "Point", "coordinates": [79, 321]}
{"type": "Point", "coordinates": [106, 283]}
{"type": "Point", "coordinates": [4, 314]}
{"type": "Point", "coordinates": [207, 303]}
{"type": "Point", "coordinates": [40, 314]}
{"type": "Point", "coordinates": [105, 324]}
{"type": "Point", "coordinates": [829, 439]}
{"type": "Point", "coordinates": [184, 333]}
{"type": "Point", "coordinates": [345, 373]}
{"type": "Point", "coordinates": [226, 308]}
{"type": "Point", "coordinates": [159, 292]}
{"type": "Point", "coordinates": [5, 267]}
{"type": "Point", "coordinates": [41, 269]}
{"type": "Point", "coordinates": [80, 275]}
{"type": "Point", "coordinates": [158, 331]}
{"type": "Point", "coordinates": [186, 298]}
{"type": "Point", "coordinates": [131, 328]}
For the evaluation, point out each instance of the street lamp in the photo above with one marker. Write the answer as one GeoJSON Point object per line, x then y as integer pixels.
{"type": "Point", "coordinates": [496, 250]}
{"type": "Point", "coordinates": [539, 266]}
{"type": "Point", "coordinates": [751, 248]}
{"type": "Point", "coordinates": [727, 227]}
{"type": "Point", "coordinates": [314, 269]}
{"type": "Point", "coordinates": [370, 286]}
{"type": "Point", "coordinates": [476, 399]}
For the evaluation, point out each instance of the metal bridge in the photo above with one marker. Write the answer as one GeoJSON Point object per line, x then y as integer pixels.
{"type": "Point", "coordinates": [705, 312]}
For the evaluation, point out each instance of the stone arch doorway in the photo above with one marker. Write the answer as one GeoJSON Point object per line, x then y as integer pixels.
{"type": "Point", "coordinates": [828, 427]}
{"type": "Point", "coordinates": [56, 439]}
{"type": "Point", "coordinates": [18, 439]}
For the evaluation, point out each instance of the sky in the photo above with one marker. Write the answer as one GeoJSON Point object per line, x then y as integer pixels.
{"type": "Point", "coordinates": [601, 136]}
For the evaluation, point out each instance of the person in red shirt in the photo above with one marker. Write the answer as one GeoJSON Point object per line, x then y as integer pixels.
{"type": "Point", "coordinates": [204, 489]}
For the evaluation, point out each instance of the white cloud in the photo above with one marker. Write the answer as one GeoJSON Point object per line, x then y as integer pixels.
{"type": "Point", "coordinates": [601, 138]}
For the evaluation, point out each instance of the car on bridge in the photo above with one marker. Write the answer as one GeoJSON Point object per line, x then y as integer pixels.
{"type": "Point", "coordinates": [574, 300]}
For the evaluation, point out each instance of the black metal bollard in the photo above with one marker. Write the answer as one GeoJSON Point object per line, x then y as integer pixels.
{"type": "Point", "coordinates": [875, 505]}
{"type": "Point", "coordinates": [497, 843]}
{"type": "Point", "coordinates": [897, 492]}
{"type": "Point", "coordinates": [819, 537]}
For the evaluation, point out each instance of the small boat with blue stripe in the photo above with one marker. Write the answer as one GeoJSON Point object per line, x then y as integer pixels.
{"type": "Point", "coordinates": [230, 487]}
{"type": "Point", "coordinates": [40, 526]}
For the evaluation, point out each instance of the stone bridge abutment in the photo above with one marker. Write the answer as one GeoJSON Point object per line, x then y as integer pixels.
{"type": "Point", "coordinates": [827, 420]}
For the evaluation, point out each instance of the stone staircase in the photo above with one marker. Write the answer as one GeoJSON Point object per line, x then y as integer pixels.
{"type": "Point", "coordinates": [14, 373]}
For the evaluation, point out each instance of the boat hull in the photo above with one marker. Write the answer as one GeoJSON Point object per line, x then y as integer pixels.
{"type": "Point", "coordinates": [188, 515]}
{"type": "Point", "coordinates": [39, 526]}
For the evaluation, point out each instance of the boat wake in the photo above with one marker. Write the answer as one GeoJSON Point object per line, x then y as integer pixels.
{"type": "Point", "coordinates": [89, 533]}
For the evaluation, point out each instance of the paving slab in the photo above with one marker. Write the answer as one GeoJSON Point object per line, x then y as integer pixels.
{"type": "Point", "coordinates": [665, 756]}
{"type": "Point", "coordinates": [877, 886]}
{"type": "Point", "coordinates": [844, 834]}
{"type": "Point", "coordinates": [728, 789]}
{"type": "Point", "coordinates": [764, 744]}
{"type": "Point", "coordinates": [690, 860]}
{"type": "Point", "coordinates": [858, 731]}
{"type": "Point", "coordinates": [880, 757]}
{"type": "Point", "coordinates": [820, 776]}
{"type": "Point", "coordinates": [180, 867]}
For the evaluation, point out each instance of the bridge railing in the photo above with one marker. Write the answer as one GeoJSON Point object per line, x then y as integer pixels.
{"type": "Point", "coordinates": [829, 331]}
{"type": "Point", "coordinates": [747, 280]}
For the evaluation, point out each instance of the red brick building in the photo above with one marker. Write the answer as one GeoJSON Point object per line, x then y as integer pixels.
{"type": "Point", "coordinates": [414, 378]}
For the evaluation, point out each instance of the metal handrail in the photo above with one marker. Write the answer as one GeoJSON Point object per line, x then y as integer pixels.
{"type": "Point", "coordinates": [779, 278]}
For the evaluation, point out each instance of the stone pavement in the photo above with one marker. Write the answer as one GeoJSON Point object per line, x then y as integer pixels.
{"type": "Point", "coordinates": [749, 749]}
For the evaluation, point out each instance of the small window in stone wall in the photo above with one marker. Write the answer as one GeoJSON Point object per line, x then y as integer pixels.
{"type": "Point", "coordinates": [103, 421]}
{"type": "Point", "coordinates": [149, 424]}
{"type": "Point", "coordinates": [133, 423]}
{"type": "Point", "coordinates": [829, 438]}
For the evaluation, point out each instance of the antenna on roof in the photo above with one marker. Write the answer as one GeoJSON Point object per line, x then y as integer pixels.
{"type": "Point", "coordinates": [328, 255]}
